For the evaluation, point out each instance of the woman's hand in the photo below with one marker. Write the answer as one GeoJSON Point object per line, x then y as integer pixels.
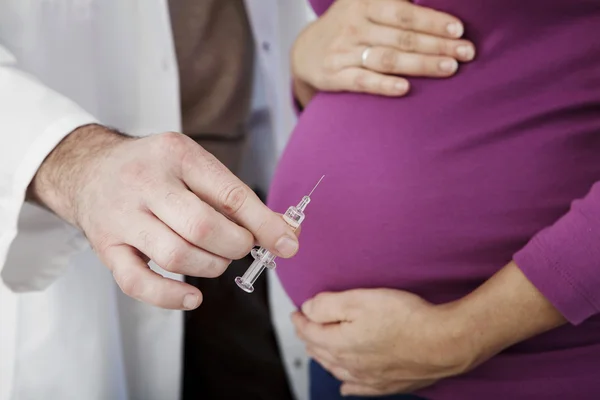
{"type": "Point", "coordinates": [364, 45]}
{"type": "Point", "coordinates": [382, 341]}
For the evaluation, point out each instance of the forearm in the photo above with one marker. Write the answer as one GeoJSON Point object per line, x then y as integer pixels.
{"type": "Point", "coordinates": [66, 169]}
{"type": "Point", "coordinates": [505, 310]}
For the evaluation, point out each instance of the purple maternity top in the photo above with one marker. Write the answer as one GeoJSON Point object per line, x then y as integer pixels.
{"type": "Point", "coordinates": [435, 192]}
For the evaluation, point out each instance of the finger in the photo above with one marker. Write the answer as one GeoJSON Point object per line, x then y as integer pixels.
{"type": "Point", "coordinates": [320, 354]}
{"type": "Point", "coordinates": [137, 280]}
{"type": "Point", "coordinates": [364, 81]}
{"type": "Point", "coordinates": [216, 185]}
{"type": "Point", "coordinates": [328, 307]}
{"type": "Point", "coordinates": [391, 61]}
{"type": "Point", "coordinates": [317, 335]}
{"type": "Point", "coordinates": [351, 388]}
{"type": "Point", "coordinates": [420, 43]}
{"type": "Point", "coordinates": [199, 224]}
{"type": "Point", "coordinates": [356, 389]}
{"type": "Point", "coordinates": [405, 15]}
{"type": "Point", "coordinates": [169, 251]}
{"type": "Point", "coordinates": [338, 372]}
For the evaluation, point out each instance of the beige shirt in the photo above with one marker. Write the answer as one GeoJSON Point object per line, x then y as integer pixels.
{"type": "Point", "coordinates": [214, 47]}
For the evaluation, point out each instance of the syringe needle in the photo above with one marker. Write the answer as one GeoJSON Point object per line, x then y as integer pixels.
{"type": "Point", "coordinates": [311, 192]}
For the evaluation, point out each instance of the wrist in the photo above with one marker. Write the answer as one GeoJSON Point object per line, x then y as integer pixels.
{"type": "Point", "coordinates": [452, 338]}
{"type": "Point", "coordinates": [303, 92]}
{"type": "Point", "coordinates": [505, 310]}
{"type": "Point", "coordinates": [64, 173]}
{"type": "Point", "coordinates": [460, 335]}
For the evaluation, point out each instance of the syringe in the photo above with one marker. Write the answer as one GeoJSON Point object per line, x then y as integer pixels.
{"type": "Point", "coordinates": [264, 258]}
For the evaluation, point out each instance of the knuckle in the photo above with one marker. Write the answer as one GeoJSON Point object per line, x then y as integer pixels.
{"type": "Point", "coordinates": [388, 60]}
{"type": "Point", "coordinates": [361, 81]}
{"type": "Point", "coordinates": [200, 229]}
{"type": "Point", "coordinates": [445, 47]}
{"type": "Point", "coordinates": [408, 41]}
{"type": "Point", "coordinates": [232, 198]}
{"type": "Point", "coordinates": [338, 45]}
{"type": "Point", "coordinates": [214, 268]}
{"type": "Point", "coordinates": [175, 258]}
{"type": "Point", "coordinates": [171, 143]}
{"type": "Point", "coordinates": [265, 224]}
{"type": "Point", "coordinates": [147, 241]}
{"type": "Point", "coordinates": [102, 242]}
{"type": "Point", "coordinates": [362, 7]}
{"type": "Point", "coordinates": [171, 140]}
{"type": "Point", "coordinates": [331, 63]}
{"type": "Point", "coordinates": [129, 285]}
{"type": "Point", "coordinates": [405, 17]}
{"type": "Point", "coordinates": [350, 31]}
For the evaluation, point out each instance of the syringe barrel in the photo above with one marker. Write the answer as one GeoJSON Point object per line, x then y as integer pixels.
{"type": "Point", "coordinates": [246, 282]}
{"type": "Point", "coordinates": [265, 259]}
{"type": "Point", "coordinates": [265, 256]}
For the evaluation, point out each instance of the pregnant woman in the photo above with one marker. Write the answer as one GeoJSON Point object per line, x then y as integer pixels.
{"type": "Point", "coordinates": [454, 244]}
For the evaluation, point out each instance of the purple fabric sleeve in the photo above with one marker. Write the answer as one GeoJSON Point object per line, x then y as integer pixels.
{"type": "Point", "coordinates": [563, 261]}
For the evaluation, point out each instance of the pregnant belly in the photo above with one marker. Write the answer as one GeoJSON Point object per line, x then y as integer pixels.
{"type": "Point", "coordinates": [434, 204]}
{"type": "Point", "coordinates": [434, 192]}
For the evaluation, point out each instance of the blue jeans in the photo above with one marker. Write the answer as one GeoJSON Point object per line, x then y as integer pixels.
{"type": "Point", "coordinates": [324, 386]}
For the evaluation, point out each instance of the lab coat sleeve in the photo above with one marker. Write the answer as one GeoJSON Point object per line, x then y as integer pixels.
{"type": "Point", "coordinates": [35, 245]}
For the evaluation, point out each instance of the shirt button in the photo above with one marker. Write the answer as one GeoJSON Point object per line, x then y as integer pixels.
{"type": "Point", "coordinates": [266, 46]}
{"type": "Point", "coordinates": [297, 363]}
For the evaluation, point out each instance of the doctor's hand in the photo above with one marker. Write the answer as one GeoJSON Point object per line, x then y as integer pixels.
{"type": "Point", "coordinates": [367, 45]}
{"type": "Point", "coordinates": [161, 198]}
{"type": "Point", "coordinates": [382, 341]}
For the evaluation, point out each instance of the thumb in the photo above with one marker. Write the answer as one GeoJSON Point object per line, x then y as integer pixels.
{"type": "Point", "coordinates": [328, 307]}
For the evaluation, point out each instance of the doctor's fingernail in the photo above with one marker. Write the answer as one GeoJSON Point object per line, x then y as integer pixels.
{"type": "Point", "coordinates": [455, 29]}
{"type": "Point", "coordinates": [190, 301]}
{"type": "Point", "coordinates": [286, 246]}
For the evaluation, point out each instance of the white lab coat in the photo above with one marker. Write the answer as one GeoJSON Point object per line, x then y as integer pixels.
{"type": "Point", "coordinates": [66, 330]}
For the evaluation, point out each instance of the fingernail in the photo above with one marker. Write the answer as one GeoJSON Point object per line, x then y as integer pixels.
{"type": "Point", "coordinates": [401, 87]}
{"type": "Point", "coordinates": [455, 29]}
{"type": "Point", "coordinates": [286, 246]}
{"type": "Point", "coordinates": [466, 52]}
{"type": "Point", "coordinates": [190, 301]}
{"type": "Point", "coordinates": [449, 65]}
